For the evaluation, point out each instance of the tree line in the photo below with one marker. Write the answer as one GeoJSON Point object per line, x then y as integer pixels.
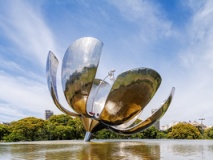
{"type": "Point", "coordinates": [64, 127]}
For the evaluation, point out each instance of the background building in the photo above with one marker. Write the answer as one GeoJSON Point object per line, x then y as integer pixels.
{"type": "Point", "coordinates": [48, 114]}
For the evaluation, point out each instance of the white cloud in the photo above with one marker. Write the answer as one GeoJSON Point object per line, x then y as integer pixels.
{"type": "Point", "coordinates": [23, 24]}
{"type": "Point", "coordinates": [191, 74]}
{"type": "Point", "coordinates": [23, 92]}
{"type": "Point", "coordinates": [194, 84]}
{"type": "Point", "coordinates": [25, 27]}
{"type": "Point", "coordinates": [8, 112]}
{"type": "Point", "coordinates": [10, 65]}
{"type": "Point", "coordinates": [200, 37]}
{"type": "Point", "coordinates": [147, 17]}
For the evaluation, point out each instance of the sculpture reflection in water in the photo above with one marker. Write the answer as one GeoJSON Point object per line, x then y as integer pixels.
{"type": "Point", "coordinates": [98, 104]}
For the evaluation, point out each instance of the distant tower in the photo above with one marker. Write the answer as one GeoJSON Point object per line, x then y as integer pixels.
{"type": "Point", "coordinates": [157, 124]}
{"type": "Point", "coordinates": [48, 114]}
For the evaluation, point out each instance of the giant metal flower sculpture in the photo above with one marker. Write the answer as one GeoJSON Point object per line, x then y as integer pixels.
{"type": "Point", "coordinates": [96, 102]}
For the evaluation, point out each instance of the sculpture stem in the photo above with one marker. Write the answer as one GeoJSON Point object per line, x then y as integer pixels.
{"type": "Point", "coordinates": [87, 137]}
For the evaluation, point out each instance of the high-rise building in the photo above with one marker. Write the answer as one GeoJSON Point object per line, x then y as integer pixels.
{"type": "Point", "coordinates": [157, 124]}
{"type": "Point", "coordinates": [48, 114]}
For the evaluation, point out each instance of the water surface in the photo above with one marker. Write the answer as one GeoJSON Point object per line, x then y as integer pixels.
{"type": "Point", "coordinates": [108, 149]}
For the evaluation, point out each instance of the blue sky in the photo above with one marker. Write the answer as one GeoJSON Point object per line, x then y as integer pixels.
{"type": "Point", "coordinates": [172, 37]}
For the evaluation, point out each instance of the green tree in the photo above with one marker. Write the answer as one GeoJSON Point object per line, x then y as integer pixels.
{"type": "Point", "coordinates": [137, 136]}
{"type": "Point", "coordinates": [184, 131]}
{"type": "Point", "coordinates": [107, 134]}
{"type": "Point", "coordinates": [162, 135]}
{"type": "Point", "coordinates": [150, 133]}
{"type": "Point", "coordinates": [63, 132]}
{"type": "Point", "coordinates": [3, 131]}
{"type": "Point", "coordinates": [208, 133]}
{"type": "Point", "coordinates": [62, 126]}
{"type": "Point", "coordinates": [79, 130]}
{"type": "Point", "coordinates": [27, 129]}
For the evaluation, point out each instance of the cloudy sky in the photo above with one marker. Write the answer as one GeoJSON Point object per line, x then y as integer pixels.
{"type": "Point", "coordinates": [175, 38]}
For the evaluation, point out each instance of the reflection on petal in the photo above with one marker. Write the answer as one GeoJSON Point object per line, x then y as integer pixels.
{"type": "Point", "coordinates": [51, 70]}
{"type": "Point", "coordinates": [79, 67]}
{"type": "Point", "coordinates": [127, 124]}
{"type": "Point", "coordinates": [97, 97]}
{"type": "Point", "coordinates": [149, 121]}
{"type": "Point", "coordinates": [130, 93]}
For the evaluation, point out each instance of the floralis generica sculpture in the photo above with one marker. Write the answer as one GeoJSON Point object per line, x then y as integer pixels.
{"type": "Point", "coordinates": [99, 104]}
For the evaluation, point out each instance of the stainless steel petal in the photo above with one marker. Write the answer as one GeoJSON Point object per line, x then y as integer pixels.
{"type": "Point", "coordinates": [51, 70]}
{"type": "Point", "coordinates": [129, 94]}
{"type": "Point", "coordinates": [97, 97]}
{"type": "Point", "coordinates": [127, 124]}
{"type": "Point", "coordinates": [79, 67]}
{"type": "Point", "coordinates": [91, 125]}
{"type": "Point", "coordinates": [149, 121]}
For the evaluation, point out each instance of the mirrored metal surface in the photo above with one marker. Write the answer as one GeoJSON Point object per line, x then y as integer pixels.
{"type": "Point", "coordinates": [51, 70]}
{"type": "Point", "coordinates": [79, 67]}
{"type": "Point", "coordinates": [130, 93]}
{"type": "Point", "coordinates": [91, 126]}
{"type": "Point", "coordinates": [88, 123]}
{"type": "Point", "coordinates": [94, 100]}
{"type": "Point", "coordinates": [127, 124]}
{"type": "Point", "coordinates": [98, 94]}
{"type": "Point", "coordinates": [149, 121]}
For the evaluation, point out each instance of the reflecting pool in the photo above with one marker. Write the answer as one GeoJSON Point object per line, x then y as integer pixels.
{"type": "Point", "coordinates": [108, 149]}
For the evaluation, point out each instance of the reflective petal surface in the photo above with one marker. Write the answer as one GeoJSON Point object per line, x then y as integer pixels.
{"type": "Point", "coordinates": [129, 94]}
{"type": "Point", "coordinates": [126, 124]}
{"type": "Point", "coordinates": [79, 67]}
{"type": "Point", "coordinates": [98, 94]}
{"type": "Point", "coordinates": [51, 70]}
{"type": "Point", "coordinates": [149, 121]}
{"type": "Point", "coordinates": [98, 104]}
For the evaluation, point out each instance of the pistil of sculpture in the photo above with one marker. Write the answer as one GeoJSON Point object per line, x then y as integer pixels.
{"type": "Point", "coordinates": [98, 104]}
